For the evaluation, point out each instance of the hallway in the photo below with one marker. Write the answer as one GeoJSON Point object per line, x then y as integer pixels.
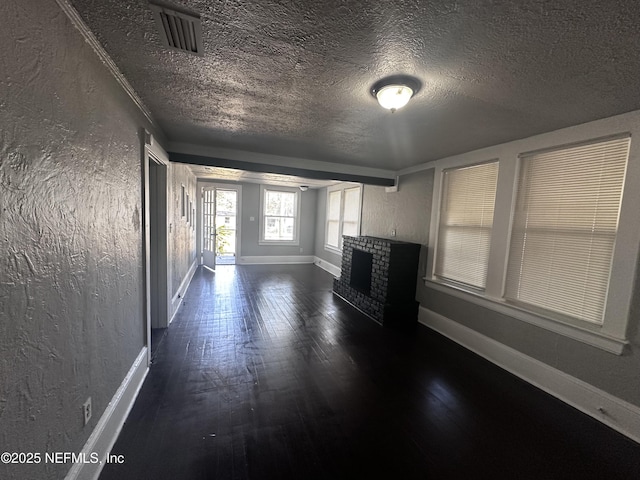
{"type": "Point", "coordinates": [265, 374]}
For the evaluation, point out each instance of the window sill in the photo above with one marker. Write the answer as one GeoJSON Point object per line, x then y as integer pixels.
{"type": "Point", "coordinates": [588, 334]}
{"type": "Point", "coordinates": [285, 243]}
{"type": "Point", "coordinates": [331, 249]}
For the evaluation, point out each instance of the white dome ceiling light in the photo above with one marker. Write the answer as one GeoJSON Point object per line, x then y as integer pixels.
{"type": "Point", "coordinates": [395, 92]}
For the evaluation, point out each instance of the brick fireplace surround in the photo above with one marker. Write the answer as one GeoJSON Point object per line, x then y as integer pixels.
{"type": "Point", "coordinates": [378, 277]}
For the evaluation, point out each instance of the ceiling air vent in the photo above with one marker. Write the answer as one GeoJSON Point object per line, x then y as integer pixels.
{"type": "Point", "coordinates": [178, 30]}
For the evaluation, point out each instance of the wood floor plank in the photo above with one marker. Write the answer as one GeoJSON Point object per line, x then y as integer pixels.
{"type": "Point", "coordinates": [264, 374]}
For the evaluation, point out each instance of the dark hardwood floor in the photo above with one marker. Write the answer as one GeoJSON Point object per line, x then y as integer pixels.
{"type": "Point", "coordinates": [264, 374]}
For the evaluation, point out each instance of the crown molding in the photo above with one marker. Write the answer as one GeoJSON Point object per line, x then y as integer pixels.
{"type": "Point", "coordinates": [104, 57]}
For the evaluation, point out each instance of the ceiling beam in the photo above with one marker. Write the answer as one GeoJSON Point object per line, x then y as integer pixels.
{"type": "Point", "coordinates": [280, 169]}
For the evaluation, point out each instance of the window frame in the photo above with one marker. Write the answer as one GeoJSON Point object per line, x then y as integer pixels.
{"type": "Point", "coordinates": [342, 188]}
{"type": "Point", "coordinates": [296, 216]}
{"type": "Point", "coordinates": [611, 335]}
{"type": "Point", "coordinates": [546, 229]}
{"type": "Point", "coordinates": [443, 278]}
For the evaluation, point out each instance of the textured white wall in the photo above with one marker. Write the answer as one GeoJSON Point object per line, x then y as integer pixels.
{"type": "Point", "coordinates": [406, 211]}
{"type": "Point", "coordinates": [183, 233]}
{"type": "Point", "coordinates": [71, 271]}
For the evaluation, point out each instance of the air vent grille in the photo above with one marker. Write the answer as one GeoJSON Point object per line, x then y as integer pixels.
{"type": "Point", "coordinates": [178, 30]}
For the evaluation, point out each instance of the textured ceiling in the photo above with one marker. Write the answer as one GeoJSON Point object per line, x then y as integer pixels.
{"type": "Point", "coordinates": [292, 78]}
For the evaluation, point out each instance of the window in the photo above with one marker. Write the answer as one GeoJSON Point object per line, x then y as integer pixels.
{"type": "Point", "coordinates": [334, 200]}
{"type": "Point", "coordinates": [280, 215]}
{"type": "Point", "coordinates": [466, 220]}
{"type": "Point", "coordinates": [343, 214]}
{"type": "Point", "coordinates": [538, 238]}
{"type": "Point", "coordinates": [351, 212]}
{"type": "Point", "coordinates": [564, 228]}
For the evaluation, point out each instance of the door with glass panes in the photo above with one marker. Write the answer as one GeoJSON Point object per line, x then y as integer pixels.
{"type": "Point", "coordinates": [220, 233]}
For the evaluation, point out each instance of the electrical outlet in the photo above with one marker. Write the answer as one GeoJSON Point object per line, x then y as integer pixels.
{"type": "Point", "coordinates": [393, 232]}
{"type": "Point", "coordinates": [86, 410]}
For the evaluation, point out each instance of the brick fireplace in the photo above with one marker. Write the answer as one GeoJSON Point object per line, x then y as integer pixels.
{"type": "Point", "coordinates": [378, 277]}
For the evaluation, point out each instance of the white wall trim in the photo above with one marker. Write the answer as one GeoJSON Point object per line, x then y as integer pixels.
{"type": "Point", "coordinates": [108, 428]}
{"type": "Point", "coordinates": [612, 411]}
{"type": "Point", "coordinates": [182, 290]}
{"type": "Point", "coordinates": [327, 266]}
{"type": "Point", "coordinates": [106, 60]}
{"type": "Point", "coordinates": [275, 259]}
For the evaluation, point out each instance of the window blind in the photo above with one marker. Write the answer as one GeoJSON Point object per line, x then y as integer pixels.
{"type": "Point", "coordinates": [564, 228]}
{"type": "Point", "coordinates": [466, 220]}
{"type": "Point", "coordinates": [333, 219]}
{"type": "Point", "coordinates": [351, 211]}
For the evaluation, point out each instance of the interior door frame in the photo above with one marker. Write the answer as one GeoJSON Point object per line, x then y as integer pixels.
{"type": "Point", "coordinates": [155, 154]}
{"type": "Point", "coordinates": [201, 185]}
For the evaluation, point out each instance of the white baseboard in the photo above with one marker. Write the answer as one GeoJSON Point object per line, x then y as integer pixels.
{"type": "Point", "coordinates": [275, 259]}
{"type": "Point", "coordinates": [177, 298]}
{"type": "Point", "coordinates": [329, 267]}
{"type": "Point", "coordinates": [612, 411]}
{"type": "Point", "coordinates": [108, 428]}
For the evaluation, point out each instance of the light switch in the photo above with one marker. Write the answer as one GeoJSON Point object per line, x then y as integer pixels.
{"type": "Point", "coordinates": [252, 219]}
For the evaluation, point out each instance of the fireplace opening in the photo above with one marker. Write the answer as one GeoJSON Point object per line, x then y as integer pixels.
{"type": "Point", "coordinates": [361, 263]}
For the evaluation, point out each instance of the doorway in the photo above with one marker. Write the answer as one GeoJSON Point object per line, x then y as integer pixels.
{"type": "Point", "coordinates": [220, 226]}
{"type": "Point", "coordinates": [156, 242]}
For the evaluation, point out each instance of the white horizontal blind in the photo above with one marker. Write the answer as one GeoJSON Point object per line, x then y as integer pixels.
{"type": "Point", "coordinates": [333, 218]}
{"type": "Point", "coordinates": [564, 228]}
{"type": "Point", "coordinates": [466, 220]}
{"type": "Point", "coordinates": [351, 212]}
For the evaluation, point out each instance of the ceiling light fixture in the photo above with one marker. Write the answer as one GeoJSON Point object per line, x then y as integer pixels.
{"type": "Point", "coordinates": [395, 92]}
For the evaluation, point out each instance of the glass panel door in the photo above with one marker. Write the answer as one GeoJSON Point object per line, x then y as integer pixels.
{"type": "Point", "coordinates": [209, 228]}
{"type": "Point", "coordinates": [226, 208]}
{"type": "Point", "coordinates": [219, 226]}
